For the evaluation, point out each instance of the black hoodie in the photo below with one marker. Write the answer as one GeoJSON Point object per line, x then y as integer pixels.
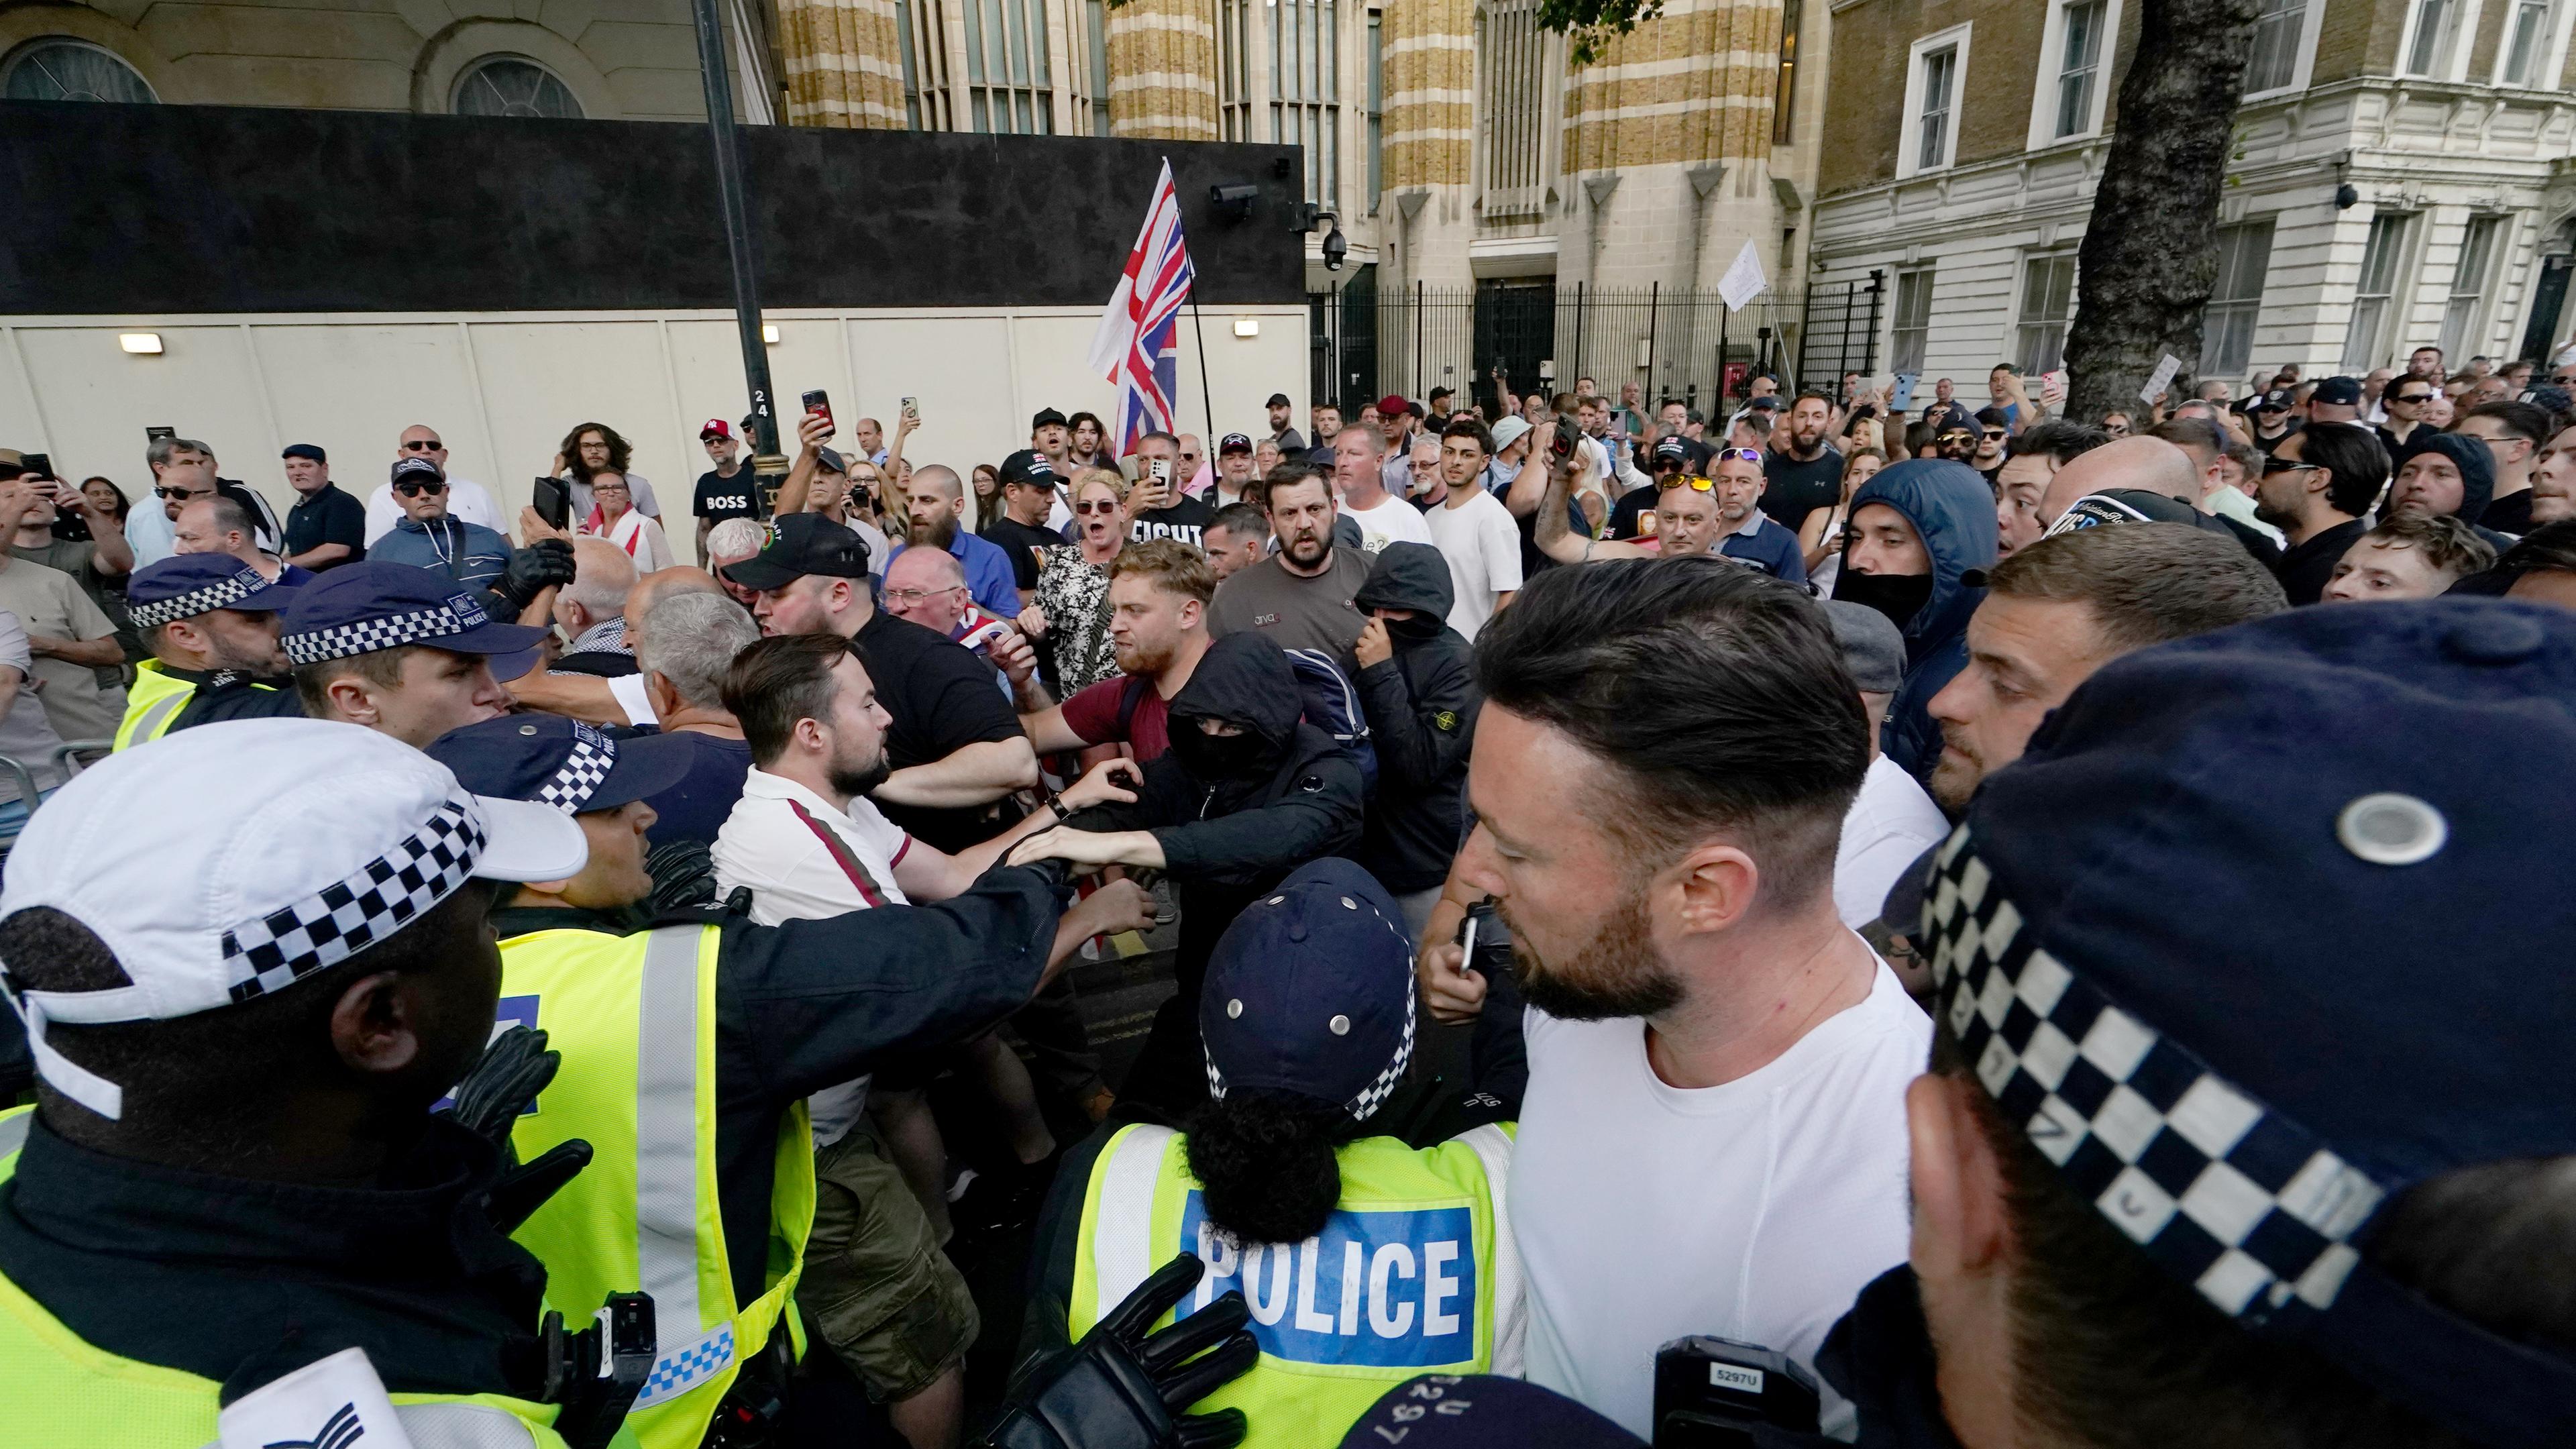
{"type": "Point", "coordinates": [1421, 707]}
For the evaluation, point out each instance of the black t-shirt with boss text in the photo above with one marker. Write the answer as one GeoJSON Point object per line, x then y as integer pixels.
{"type": "Point", "coordinates": [720, 497]}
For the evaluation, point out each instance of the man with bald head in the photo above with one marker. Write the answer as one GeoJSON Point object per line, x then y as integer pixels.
{"type": "Point", "coordinates": [928, 587]}
{"type": "Point", "coordinates": [2148, 464]}
{"type": "Point", "coordinates": [652, 589]}
{"type": "Point", "coordinates": [932, 500]}
{"type": "Point", "coordinates": [218, 523]}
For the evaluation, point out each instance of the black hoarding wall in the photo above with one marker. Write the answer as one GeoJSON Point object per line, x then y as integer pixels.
{"type": "Point", "coordinates": [161, 209]}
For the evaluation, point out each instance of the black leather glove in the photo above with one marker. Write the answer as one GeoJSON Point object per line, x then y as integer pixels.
{"type": "Point", "coordinates": [542, 565]}
{"type": "Point", "coordinates": [684, 875]}
{"type": "Point", "coordinates": [502, 1086]}
{"type": "Point", "coordinates": [1118, 1389]}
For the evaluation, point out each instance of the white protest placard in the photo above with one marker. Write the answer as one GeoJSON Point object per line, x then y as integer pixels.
{"type": "Point", "coordinates": [2160, 379]}
{"type": "Point", "coordinates": [1743, 280]}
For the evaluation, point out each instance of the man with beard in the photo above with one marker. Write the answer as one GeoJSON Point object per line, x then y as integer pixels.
{"type": "Point", "coordinates": [2065, 606]}
{"type": "Point", "coordinates": [1247, 792]}
{"type": "Point", "coordinates": [1954, 439]}
{"type": "Point", "coordinates": [1158, 600]}
{"type": "Point", "coordinates": [1802, 471]}
{"type": "Point", "coordinates": [2446, 473]}
{"type": "Point", "coordinates": [1921, 535]}
{"type": "Point", "coordinates": [1300, 597]}
{"type": "Point", "coordinates": [210, 621]}
{"type": "Point", "coordinates": [932, 500]}
{"type": "Point", "coordinates": [2315, 486]}
{"type": "Point", "coordinates": [1714, 1130]}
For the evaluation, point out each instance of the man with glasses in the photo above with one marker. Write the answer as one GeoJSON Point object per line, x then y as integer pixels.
{"type": "Point", "coordinates": [2315, 486]}
{"type": "Point", "coordinates": [467, 500]}
{"type": "Point", "coordinates": [1693, 515]}
{"type": "Point", "coordinates": [431, 537]}
{"type": "Point", "coordinates": [2407, 398]}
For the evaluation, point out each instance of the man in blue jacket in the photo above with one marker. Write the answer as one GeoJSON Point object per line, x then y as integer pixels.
{"type": "Point", "coordinates": [427, 536]}
{"type": "Point", "coordinates": [1922, 536]}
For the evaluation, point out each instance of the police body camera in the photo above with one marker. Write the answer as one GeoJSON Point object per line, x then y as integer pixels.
{"type": "Point", "coordinates": [1715, 1393]}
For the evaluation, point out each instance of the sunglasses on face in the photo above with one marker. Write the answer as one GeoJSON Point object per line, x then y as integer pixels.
{"type": "Point", "coordinates": [422, 445]}
{"type": "Point", "coordinates": [2413, 397]}
{"type": "Point", "coordinates": [184, 492]}
{"type": "Point", "coordinates": [1100, 506]}
{"type": "Point", "coordinates": [1994, 435]}
{"type": "Point", "coordinates": [2286, 465]}
{"type": "Point", "coordinates": [415, 489]}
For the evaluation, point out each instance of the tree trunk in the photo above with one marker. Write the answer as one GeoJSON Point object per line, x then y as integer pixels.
{"type": "Point", "coordinates": [2150, 252]}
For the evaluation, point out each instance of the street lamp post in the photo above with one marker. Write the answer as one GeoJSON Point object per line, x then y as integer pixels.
{"type": "Point", "coordinates": [767, 463]}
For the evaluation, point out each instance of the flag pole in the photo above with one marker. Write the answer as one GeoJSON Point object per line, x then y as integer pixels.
{"type": "Point", "coordinates": [1207, 399]}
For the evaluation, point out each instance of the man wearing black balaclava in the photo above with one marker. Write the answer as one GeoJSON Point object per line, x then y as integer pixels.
{"type": "Point", "coordinates": [1418, 688]}
{"type": "Point", "coordinates": [1921, 536]}
{"type": "Point", "coordinates": [1247, 793]}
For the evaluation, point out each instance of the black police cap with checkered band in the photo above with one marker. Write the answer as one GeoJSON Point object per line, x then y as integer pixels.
{"type": "Point", "coordinates": [2186, 943]}
{"type": "Point", "coordinates": [564, 763]}
{"type": "Point", "coordinates": [186, 585]}
{"type": "Point", "coordinates": [363, 607]}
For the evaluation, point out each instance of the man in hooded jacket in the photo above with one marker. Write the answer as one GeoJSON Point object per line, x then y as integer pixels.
{"type": "Point", "coordinates": [1917, 531]}
{"type": "Point", "coordinates": [2424, 485]}
{"type": "Point", "coordinates": [1246, 794]}
{"type": "Point", "coordinates": [1418, 688]}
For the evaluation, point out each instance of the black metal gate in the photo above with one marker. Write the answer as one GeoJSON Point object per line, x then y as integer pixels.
{"type": "Point", "coordinates": [1515, 331]}
{"type": "Point", "coordinates": [1344, 342]}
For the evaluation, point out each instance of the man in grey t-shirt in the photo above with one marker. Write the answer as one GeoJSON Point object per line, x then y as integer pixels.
{"type": "Point", "coordinates": [1300, 597]}
{"type": "Point", "coordinates": [26, 736]}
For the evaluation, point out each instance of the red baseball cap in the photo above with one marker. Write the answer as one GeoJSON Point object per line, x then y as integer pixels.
{"type": "Point", "coordinates": [1393, 405]}
{"type": "Point", "coordinates": [715, 428]}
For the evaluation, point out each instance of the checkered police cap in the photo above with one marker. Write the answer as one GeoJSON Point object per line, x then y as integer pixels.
{"type": "Point", "coordinates": [204, 599]}
{"type": "Point", "coordinates": [577, 778]}
{"type": "Point", "coordinates": [349, 915]}
{"type": "Point", "coordinates": [1371, 1097]}
{"type": "Point", "coordinates": [391, 631]}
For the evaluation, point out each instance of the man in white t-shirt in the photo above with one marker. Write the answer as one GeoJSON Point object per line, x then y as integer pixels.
{"type": "Point", "coordinates": [1472, 529]}
{"type": "Point", "coordinates": [1714, 1136]}
{"type": "Point", "coordinates": [1893, 821]}
{"type": "Point", "coordinates": [467, 500]}
{"type": "Point", "coordinates": [1382, 517]}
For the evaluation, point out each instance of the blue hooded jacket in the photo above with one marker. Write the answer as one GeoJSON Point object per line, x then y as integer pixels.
{"type": "Point", "coordinates": [1953, 512]}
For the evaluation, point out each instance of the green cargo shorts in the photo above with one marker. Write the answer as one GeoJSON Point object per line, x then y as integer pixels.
{"type": "Point", "coordinates": [876, 1287]}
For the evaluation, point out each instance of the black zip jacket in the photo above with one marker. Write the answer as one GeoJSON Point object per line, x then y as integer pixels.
{"type": "Point", "coordinates": [1421, 708]}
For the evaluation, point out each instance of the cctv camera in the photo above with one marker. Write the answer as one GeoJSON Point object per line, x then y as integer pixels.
{"type": "Point", "coordinates": [1233, 202]}
{"type": "Point", "coordinates": [1336, 248]}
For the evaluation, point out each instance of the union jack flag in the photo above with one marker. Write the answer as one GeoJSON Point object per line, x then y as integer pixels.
{"type": "Point", "coordinates": [1136, 346]}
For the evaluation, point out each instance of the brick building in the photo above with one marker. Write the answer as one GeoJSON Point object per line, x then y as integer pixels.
{"type": "Point", "coordinates": [1969, 135]}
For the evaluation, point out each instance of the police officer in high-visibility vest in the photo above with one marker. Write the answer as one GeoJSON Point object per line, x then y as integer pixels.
{"type": "Point", "coordinates": [689, 1049]}
{"type": "Point", "coordinates": [1365, 1258]}
{"type": "Point", "coordinates": [210, 621]}
{"type": "Point", "coordinates": [248, 959]}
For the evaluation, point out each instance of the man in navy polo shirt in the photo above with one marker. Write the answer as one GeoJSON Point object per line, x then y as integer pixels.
{"type": "Point", "coordinates": [402, 650]}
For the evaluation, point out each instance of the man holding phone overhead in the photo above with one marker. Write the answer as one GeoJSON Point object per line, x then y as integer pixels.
{"type": "Point", "coordinates": [1156, 507]}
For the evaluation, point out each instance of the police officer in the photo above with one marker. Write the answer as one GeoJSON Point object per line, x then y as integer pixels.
{"type": "Point", "coordinates": [211, 623]}
{"type": "Point", "coordinates": [689, 1049]}
{"type": "Point", "coordinates": [403, 650]}
{"type": "Point", "coordinates": [1363, 1222]}
{"type": "Point", "coordinates": [2262, 1135]}
{"type": "Point", "coordinates": [248, 960]}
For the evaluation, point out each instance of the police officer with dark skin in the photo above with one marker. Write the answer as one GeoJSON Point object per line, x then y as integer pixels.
{"type": "Point", "coordinates": [2206, 1155]}
{"type": "Point", "coordinates": [797, 1008]}
{"type": "Point", "coordinates": [242, 1000]}
{"type": "Point", "coordinates": [211, 623]}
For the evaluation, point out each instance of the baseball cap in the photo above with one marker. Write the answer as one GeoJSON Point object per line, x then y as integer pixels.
{"type": "Point", "coordinates": [1872, 646]}
{"type": "Point", "coordinates": [301, 842]}
{"type": "Point", "coordinates": [714, 428]}
{"type": "Point", "coordinates": [415, 469]}
{"type": "Point", "coordinates": [1509, 431]}
{"type": "Point", "coordinates": [2240, 1087]}
{"type": "Point", "coordinates": [1311, 991]}
{"type": "Point", "coordinates": [185, 585]}
{"type": "Point", "coordinates": [1046, 417]}
{"type": "Point", "coordinates": [1768, 404]}
{"type": "Point", "coordinates": [829, 460]}
{"type": "Point", "coordinates": [364, 607]}
{"type": "Point", "coordinates": [1278, 400]}
{"type": "Point", "coordinates": [1029, 466]}
{"type": "Point", "coordinates": [1233, 443]}
{"type": "Point", "coordinates": [2338, 392]}
{"type": "Point", "coordinates": [2278, 400]}
{"type": "Point", "coordinates": [304, 450]}
{"type": "Point", "coordinates": [2123, 505]}
{"type": "Point", "coordinates": [560, 763]}
{"type": "Point", "coordinates": [801, 544]}
{"type": "Point", "coordinates": [1674, 448]}
{"type": "Point", "coordinates": [1393, 405]}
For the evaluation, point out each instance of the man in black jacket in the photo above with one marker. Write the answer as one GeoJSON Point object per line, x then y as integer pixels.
{"type": "Point", "coordinates": [1247, 793]}
{"type": "Point", "coordinates": [1418, 688]}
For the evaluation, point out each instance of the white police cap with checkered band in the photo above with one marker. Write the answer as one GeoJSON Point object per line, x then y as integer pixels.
{"type": "Point", "coordinates": [222, 863]}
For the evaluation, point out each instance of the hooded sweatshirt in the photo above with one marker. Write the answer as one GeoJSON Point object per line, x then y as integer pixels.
{"type": "Point", "coordinates": [1953, 513]}
{"type": "Point", "coordinates": [1421, 707]}
{"type": "Point", "coordinates": [2477, 476]}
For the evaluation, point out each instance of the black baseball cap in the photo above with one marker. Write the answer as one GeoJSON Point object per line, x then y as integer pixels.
{"type": "Point", "coordinates": [1277, 400]}
{"type": "Point", "coordinates": [1027, 466]}
{"type": "Point", "coordinates": [2343, 392]}
{"type": "Point", "coordinates": [1233, 443]}
{"type": "Point", "coordinates": [1046, 417]}
{"type": "Point", "coordinates": [416, 470]}
{"type": "Point", "coordinates": [549, 760]}
{"type": "Point", "coordinates": [801, 544]}
{"type": "Point", "coordinates": [2278, 400]}
{"type": "Point", "coordinates": [1673, 448]}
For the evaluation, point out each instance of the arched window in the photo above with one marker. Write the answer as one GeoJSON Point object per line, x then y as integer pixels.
{"type": "Point", "coordinates": [60, 69]}
{"type": "Point", "coordinates": [512, 85]}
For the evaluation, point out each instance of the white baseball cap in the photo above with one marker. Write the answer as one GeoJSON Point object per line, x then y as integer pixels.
{"type": "Point", "coordinates": [231, 860]}
{"type": "Point", "coordinates": [1509, 431]}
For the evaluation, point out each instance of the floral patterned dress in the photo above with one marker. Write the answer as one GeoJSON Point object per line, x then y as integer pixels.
{"type": "Point", "coordinates": [1075, 595]}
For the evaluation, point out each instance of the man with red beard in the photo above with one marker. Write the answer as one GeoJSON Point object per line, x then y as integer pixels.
{"type": "Point", "coordinates": [1300, 598]}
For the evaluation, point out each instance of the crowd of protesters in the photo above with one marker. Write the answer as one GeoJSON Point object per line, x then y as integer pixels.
{"type": "Point", "coordinates": [1574, 824]}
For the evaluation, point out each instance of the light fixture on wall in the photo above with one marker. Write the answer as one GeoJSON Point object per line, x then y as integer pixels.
{"type": "Point", "coordinates": [769, 333]}
{"type": "Point", "coordinates": [141, 344]}
{"type": "Point", "coordinates": [1247, 326]}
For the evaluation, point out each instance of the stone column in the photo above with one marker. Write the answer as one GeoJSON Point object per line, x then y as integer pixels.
{"type": "Point", "coordinates": [1162, 70]}
{"type": "Point", "coordinates": [844, 63]}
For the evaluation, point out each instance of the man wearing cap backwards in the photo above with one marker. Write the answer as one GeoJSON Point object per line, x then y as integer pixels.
{"type": "Point", "coordinates": [1360, 1216]}
{"type": "Point", "coordinates": [725, 491]}
{"type": "Point", "coordinates": [211, 623]}
{"type": "Point", "coordinates": [402, 650]}
{"type": "Point", "coordinates": [1713, 1134]}
{"type": "Point", "coordinates": [780, 1012]}
{"type": "Point", "coordinates": [232, 1172]}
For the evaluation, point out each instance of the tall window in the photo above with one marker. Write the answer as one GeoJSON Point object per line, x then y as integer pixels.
{"type": "Point", "coordinates": [1376, 114]}
{"type": "Point", "coordinates": [57, 69]}
{"type": "Point", "coordinates": [2365, 336]}
{"type": "Point", "coordinates": [1512, 127]}
{"type": "Point", "coordinates": [2047, 300]}
{"type": "Point", "coordinates": [2275, 60]}
{"type": "Point", "coordinates": [929, 102]}
{"type": "Point", "coordinates": [2227, 326]}
{"type": "Point", "coordinates": [1234, 35]}
{"type": "Point", "coordinates": [2079, 70]}
{"type": "Point", "coordinates": [2470, 282]}
{"type": "Point", "coordinates": [2526, 44]}
{"type": "Point", "coordinates": [1305, 90]}
{"type": "Point", "coordinates": [1006, 67]}
{"type": "Point", "coordinates": [2429, 44]}
{"type": "Point", "coordinates": [1932, 121]}
{"type": "Point", "coordinates": [911, 65]}
{"type": "Point", "coordinates": [1785, 95]}
{"type": "Point", "coordinates": [1096, 17]}
{"type": "Point", "coordinates": [1913, 320]}
{"type": "Point", "coordinates": [507, 85]}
